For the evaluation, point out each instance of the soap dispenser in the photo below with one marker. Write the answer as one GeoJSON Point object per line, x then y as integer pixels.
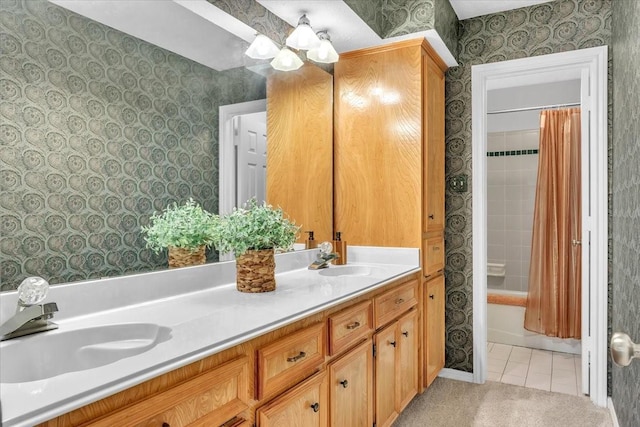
{"type": "Point", "coordinates": [310, 243]}
{"type": "Point", "coordinates": [340, 247]}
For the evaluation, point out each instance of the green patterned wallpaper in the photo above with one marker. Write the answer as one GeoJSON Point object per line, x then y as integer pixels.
{"type": "Point", "coordinates": [557, 26]}
{"type": "Point", "coordinates": [97, 131]}
{"type": "Point", "coordinates": [625, 390]}
{"type": "Point", "coordinates": [391, 18]}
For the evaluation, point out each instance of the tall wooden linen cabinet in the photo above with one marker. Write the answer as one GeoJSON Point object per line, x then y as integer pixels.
{"type": "Point", "coordinates": [389, 166]}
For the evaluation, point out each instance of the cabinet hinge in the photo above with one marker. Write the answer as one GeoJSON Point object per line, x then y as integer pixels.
{"type": "Point", "coordinates": [374, 355]}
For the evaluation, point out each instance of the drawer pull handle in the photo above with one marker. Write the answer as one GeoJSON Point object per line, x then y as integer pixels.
{"type": "Point", "coordinates": [353, 325]}
{"type": "Point", "coordinates": [399, 301]}
{"type": "Point", "coordinates": [344, 383]}
{"type": "Point", "coordinates": [431, 296]}
{"type": "Point", "coordinates": [393, 343]}
{"type": "Point", "coordinates": [436, 248]}
{"type": "Point", "coordinates": [302, 355]}
{"type": "Point", "coordinates": [405, 333]}
{"type": "Point", "coordinates": [431, 216]}
{"type": "Point", "coordinates": [315, 407]}
{"type": "Point", "coordinates": [166, 425]}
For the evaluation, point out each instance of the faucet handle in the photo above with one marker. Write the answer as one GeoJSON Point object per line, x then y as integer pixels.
{"type": "Point", "coordinates": [32, 291]}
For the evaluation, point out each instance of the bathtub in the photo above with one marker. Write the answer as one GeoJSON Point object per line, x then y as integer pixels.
{"type": "Point", "coordinates": [505, 320]}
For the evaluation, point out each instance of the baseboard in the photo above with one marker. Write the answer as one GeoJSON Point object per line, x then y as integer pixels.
{"type": "Point", "coordinates": [612, 411]}
{"type": "Point", "coordinates": [454, 374]}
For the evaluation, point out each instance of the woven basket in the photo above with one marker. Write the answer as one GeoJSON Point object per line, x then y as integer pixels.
{"type": "Point", "coordinates": [256, 271]}
{"type": "Point", "coordinates": [181, 257]}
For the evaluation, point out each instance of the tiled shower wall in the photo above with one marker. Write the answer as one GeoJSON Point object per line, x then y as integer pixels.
{"type": "Point", "coordinates": [512, 167]}
{"type": "Point", "coordinates": [98, 130]}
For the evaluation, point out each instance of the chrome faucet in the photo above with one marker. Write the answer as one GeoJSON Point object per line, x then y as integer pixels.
{"type": "Point", "coordinates": [30, 316]}
{"type": "Point", "coordinates": [324, 256]}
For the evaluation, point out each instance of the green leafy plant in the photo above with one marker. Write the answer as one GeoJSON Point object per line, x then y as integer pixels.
{"type": "Point", "coordinates": [255, 227]}
{"type": "Point", "coordinates": [186, 226]}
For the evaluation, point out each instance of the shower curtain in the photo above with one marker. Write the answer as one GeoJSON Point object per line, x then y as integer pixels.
{"type": "Point", "coordinates": [554, 297]}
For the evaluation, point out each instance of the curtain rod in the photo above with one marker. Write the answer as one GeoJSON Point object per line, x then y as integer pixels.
{"type": "Point", "coordinates": [515, 110]}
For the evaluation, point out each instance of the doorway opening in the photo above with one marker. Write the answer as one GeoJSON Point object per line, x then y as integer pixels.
{"type": "Point", "coordinates": [242, 154]}
{"type": "Point", "coordinates": [518, 237]}
{"type": "Point", "coordinates": [586, 72]}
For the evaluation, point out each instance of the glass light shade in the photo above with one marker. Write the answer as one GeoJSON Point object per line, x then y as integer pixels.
{"type": "Point", "coordinates": [286, 60]}
{"type": "Point", "coordinates": [324, 53]}
{"type": "Point", "coordinates": [262, 48]}
{"type": "Point", "coordinates": [303, 37]}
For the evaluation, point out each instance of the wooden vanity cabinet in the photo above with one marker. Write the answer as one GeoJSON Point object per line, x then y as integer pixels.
{"type": "Point", "coordinates": [434, 297]}
{"type": "Point", "coordinates": [389, 154]}
{"type": "Point", "coordinates": [212, 398]}
{"type": "Point", "coordinates": [396, 367]}
{"type": "Point", "coordinates": [351, 388]}
{"type": "Point", "coordinates": [304, 405]}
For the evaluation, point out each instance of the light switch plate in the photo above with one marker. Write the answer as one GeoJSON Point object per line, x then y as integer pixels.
{"type": "Point", "coordinates": [458, 183]}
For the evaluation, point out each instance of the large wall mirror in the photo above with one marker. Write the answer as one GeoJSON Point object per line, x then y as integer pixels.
{"type": "Point", "coordinates": [100, 128]}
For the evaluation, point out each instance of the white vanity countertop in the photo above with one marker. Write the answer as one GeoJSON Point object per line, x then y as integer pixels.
{"type": "Point", "coordinates": [208, 317]}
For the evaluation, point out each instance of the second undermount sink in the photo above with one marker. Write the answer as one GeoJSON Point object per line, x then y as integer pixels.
{"type": "Point", "coordinates": [41, 356]}
{"type": "Point", "coordinates": [350, 270]}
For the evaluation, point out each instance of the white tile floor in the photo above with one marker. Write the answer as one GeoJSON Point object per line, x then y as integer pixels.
{"type": "Point", "coordinates": [541, 369]}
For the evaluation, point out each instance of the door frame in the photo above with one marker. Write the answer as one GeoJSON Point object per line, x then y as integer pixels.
{"type": "Point", "coordinates": [226, 150]}
{"type": "Point", "coordinates": [590, 66]}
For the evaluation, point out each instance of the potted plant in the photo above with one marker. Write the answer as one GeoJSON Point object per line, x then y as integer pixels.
{"type": "Point", "coordinates": [253, 233]}
{"type": "Point", "coordinates": [184, 229]}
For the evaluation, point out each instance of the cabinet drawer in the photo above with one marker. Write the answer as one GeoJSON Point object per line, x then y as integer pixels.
{"type": "Point", "coordinates": [391, 304]}
{"type": "Point", "coordinates": [211, 398]}
{"type": "Point", "coordinates": [349, 326]}
{"type": "Point", "coordinates": [303, 406]}
{"type": "Point", "coordinates": [433, 255]}
{"type": "Point", "coordinates": [290, 359]}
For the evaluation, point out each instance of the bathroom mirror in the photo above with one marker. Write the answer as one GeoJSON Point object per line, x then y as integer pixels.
{"type": "Point", "coordinates": [100, 129]}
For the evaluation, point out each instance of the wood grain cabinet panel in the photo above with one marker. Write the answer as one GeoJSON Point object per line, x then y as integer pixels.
{"type": "Point", "coordinates": [349, 326]}
{"type": "Point", "coordinates": [391, 304]}
{"type": "Point", "coordinates": [434, 177]}
{"type": "Point", "coordinates": [407, 334]}
{"type": "Point", "coordinates": [300, 147]}
{"type": "Point", "coordinates": [290, 359]}
{"type": "Point", "coordinates": [305, 405]}
{"type": "Point", "coordinates": [433, 255]}
{"type": "Point", "coordinates": [210, 399]}
{"type": "Point", "coordinates": [434, 331]}
{"type": "Point", "coordinates": [385, 378]}
{"type": "Point", "coordinates": [351, 388]}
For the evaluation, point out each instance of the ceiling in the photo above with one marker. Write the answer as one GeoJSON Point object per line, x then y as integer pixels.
{"type": "Point", "coordinates": [188, 27]}
{"type": "Point", "coordinates": [466, 9]}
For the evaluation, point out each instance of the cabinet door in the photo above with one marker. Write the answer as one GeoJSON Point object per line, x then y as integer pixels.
{"type": "Point", "coordinates": [304, 405]}
{"type": "Point", "coordinates": [351, 388]}
{"type": "Point", "coordinates": [434, 185]}
{"type": "Point", "coordinates": [378, 146]}
{"type": "Point", "coordinates": [407, 359]}
{"type": "Point", "coordinates": [385, 364]}
{"type": "Point", "coordinates": [434, 331]}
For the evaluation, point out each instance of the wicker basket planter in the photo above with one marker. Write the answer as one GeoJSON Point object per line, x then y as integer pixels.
{"type": "Point", "coordinates": [255, 271]}
{"type": "Point", "coordinates": [181, 257]}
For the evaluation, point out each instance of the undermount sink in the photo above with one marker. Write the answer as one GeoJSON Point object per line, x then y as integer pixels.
{"type": "Point", "coordinates": [45, 355]}
{"type": "Point", "coordinates": [349, 270]}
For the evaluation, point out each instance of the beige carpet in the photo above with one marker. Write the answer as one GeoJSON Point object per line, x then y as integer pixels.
{"type": "Point", "coordinates": [460, 404]}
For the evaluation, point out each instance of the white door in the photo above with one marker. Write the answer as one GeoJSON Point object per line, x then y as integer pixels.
{"type": "Point", "coordinates": [251, 155]}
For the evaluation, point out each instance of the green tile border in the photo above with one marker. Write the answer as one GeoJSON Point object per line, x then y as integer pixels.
{"type": "Point", "coordinates": [511, 153]}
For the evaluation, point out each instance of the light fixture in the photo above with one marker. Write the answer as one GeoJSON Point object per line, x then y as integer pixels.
{"type": "Point", "coordinates": [303, 37]}
{"type": "Point", "coordinates": [325, 52]}
{"type": "Point", "coordinates": [262, 48]}
{"type": "Point", "coordinates": [286, 60]}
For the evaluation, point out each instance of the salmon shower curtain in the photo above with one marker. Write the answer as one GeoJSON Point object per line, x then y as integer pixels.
{"type": "Point", "coordinates": [554, 299]}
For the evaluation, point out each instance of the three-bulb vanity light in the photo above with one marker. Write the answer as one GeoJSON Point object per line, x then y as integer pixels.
{"type": "Point", "coordinates": [318, 47]}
